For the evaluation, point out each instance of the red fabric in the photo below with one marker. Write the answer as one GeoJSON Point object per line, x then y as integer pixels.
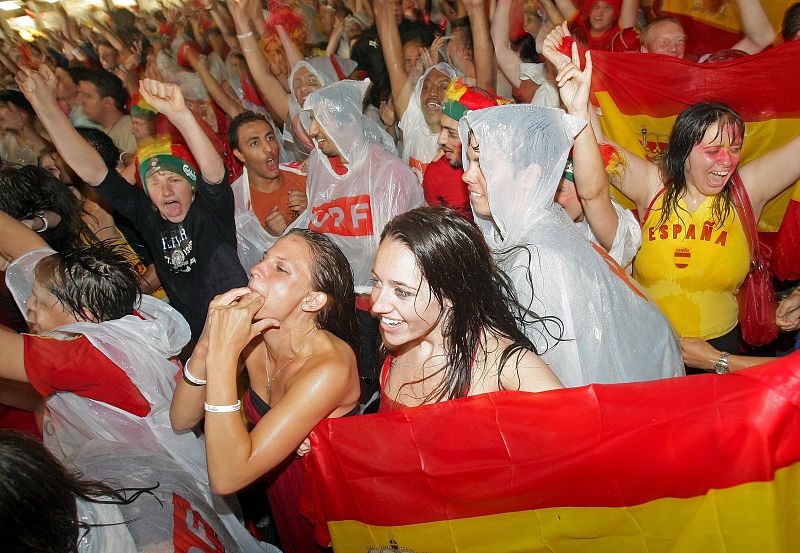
{"type": "Point", "coordinates": [442, 185]}
{"type": "Point", "coordinates": [593, 448]}
{"type": "Point", "coordinates": [581, 30]}
{"type": "Point", "coordinates": [77, 366]}
{"type": "Point", "coordinates": [19, 419]}
{"type": "Point", "coordinates": [284, 488]}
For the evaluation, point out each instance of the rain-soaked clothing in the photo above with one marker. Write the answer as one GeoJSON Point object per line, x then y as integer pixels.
{"type": "Point", "coordinates": [352, 201]}
{"type": "Point", "coordinates": [611, 331]}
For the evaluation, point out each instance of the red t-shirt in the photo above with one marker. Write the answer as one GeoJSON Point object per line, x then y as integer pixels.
{"type": "Point", "coordinates": [263, 202]}
{"type": "Point", "coordinates": [76, 366]}
{"type": "Point", "coordinates": [442, 185]}
{"type": "Point", "coordinates": [580, 29]}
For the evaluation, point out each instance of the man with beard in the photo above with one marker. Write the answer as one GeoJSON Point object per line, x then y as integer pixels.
{"type": "Point", "coordinates": [442, 182]}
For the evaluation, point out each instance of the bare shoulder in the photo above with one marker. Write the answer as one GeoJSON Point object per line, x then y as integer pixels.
{"type": "Point", "coordinates": [522, 370]}
{"type": "Point", "coordinates": [332, 368]}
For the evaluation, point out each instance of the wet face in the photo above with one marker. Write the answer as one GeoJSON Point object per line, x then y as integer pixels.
{"type": "Point", "coordinates": [449, 140]}
{"type": "Point", "coordinates": [411, 55]}
{"type": "Point", "coordinates": [432, 94]}
{"type": "Point", "coordinates": [45, 312]}
{"type": "Point", "coordinates": [324, 143]}
{"type": "Point", "coordinates": [65, 86]}
{"type": "Point", "coordinates": [283, 277]}
{"type": "Point", "coordinates": [402, 300]}
{"type": "Point", "coordinates": [303, 84]}
{"type": "Point", "coordinates": [601, 16]}
{"type": "Point", "coordinates": [90, 101]}
{"type": "Point", "coordinates": [48, 163]}
{"type": "Point", "coordinates": [258, 149]}
{"type": "Point", "coordinates": [475, 181]}
{"type": "Point", "coordinates": [712, 162]}
{"type": "Point", "coordinates": [143, 127]}
{"type": "Point", "coordinates": [108, 57]}
{"type": "Point", "coordinates": [171, 193]}
{"type": "Point", "coordinates": [666, 37]}
{"type": "Point", "coordinates": [567, 197]}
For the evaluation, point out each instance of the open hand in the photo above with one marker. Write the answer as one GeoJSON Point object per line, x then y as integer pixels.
{"type": "Point", "coordinates": [39, 87]}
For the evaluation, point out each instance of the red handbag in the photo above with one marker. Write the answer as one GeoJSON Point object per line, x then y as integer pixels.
{"type": "Point", "coordinates": [756, 296]}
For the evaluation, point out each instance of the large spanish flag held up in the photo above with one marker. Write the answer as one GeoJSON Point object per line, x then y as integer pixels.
{"type": "Point", "coordinates": [641, 95]}
{"type": "Point", "coordinates": [713, 25]}
{"type": "Point", "coordinates": [695, 464]}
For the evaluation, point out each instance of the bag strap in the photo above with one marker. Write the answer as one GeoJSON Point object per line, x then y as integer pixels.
{"type": "Point", "coordinates": [744, 209]}
{"type": "Point", "coordinates": [650, 206]}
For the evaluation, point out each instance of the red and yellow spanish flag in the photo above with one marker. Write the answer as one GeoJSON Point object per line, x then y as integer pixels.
{"type": "Point", "coordinates": [704, 464]}
{"type": "Point", "coordinates": [641, 96]}
{"type": "Point", "coordinates": [713, 25]}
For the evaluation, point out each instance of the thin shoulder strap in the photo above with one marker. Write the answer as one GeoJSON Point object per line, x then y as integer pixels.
{"type": "Point", "coordinates": [387, 364]}
{"type": "Point", "coordinates": [650, 206]}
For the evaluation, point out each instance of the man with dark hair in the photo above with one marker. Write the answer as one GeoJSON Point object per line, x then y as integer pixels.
{"type": "Point", "coordinates": [103, 99]}
{"type": "Point", "coordinates": [791, 23]}
{"type": "Point", "coordinates": [67, 94]}
{"type": "Point", "coordinates": [273, 193]}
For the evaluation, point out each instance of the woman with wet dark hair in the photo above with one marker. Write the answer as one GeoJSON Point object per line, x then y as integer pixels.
{"type": "Point", "coordinates": [692, 227]}
{"type": "Point", "coordinates": [294, 328]}
{"type": "Point", "coordinates": [448, 317]}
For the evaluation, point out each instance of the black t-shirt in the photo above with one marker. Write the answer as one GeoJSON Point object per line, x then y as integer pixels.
{"type": "Point", "coordinates": [195, 259]}
{"type": "Point", "coordinates": [368, 54]}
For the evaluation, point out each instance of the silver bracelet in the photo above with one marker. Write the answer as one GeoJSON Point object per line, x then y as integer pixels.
{"type": "Point", "coordinates": [192, 379]}
{"type": "Point", "coordinates": [222, 408]}
{"type": "Point", "coordinates": [243, 36]}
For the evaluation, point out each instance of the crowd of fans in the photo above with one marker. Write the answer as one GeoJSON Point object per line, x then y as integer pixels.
{"type": "Point", "coordinates": [224, 222]}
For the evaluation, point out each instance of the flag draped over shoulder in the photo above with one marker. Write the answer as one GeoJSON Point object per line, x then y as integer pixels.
{"type": "Point", "coordinates": [713, 25]}
{"type": "Point", "coordinates": [702, 463]}
{"type": "Point", "coordinates": [641, 96]}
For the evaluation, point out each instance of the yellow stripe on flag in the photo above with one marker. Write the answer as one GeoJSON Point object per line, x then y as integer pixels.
{"type": "Point", "coordinates": [762, 517]}
{"type": "Point", "coordinates": [761, 137]}
{"type": "Point", "coordinates": [724, 14]}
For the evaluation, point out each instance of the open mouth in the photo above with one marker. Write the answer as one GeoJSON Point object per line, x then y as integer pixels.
{"type": "Point", "coordinates": [272, 164]}
{"type": "Point", "coordinates": [172, 208]}
{"type": "Point", "coordinates": [390, 323]}
{"type": "Point", "coordinates": [434, 106]}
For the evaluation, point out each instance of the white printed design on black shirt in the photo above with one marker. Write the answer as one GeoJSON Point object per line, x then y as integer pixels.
{"type": "Point", "coordinates": [177, 248]}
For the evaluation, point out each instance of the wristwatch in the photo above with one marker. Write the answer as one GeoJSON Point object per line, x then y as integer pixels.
{"type": "Point", "coordinates": [721, 366]}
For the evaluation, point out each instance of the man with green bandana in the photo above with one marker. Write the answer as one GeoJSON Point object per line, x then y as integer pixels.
{"type": "Point", "coordinates": [442, 182]}
{"type": "Point", "coordinates": [185, 210]}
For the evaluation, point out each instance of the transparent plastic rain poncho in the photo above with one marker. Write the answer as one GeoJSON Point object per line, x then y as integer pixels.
{"type": "Point", "coordinates": [173, 513]}
{"type": "Point", "coordinates": [142, 348]}
{"type": "Point", "coordinates": [322, 68]}
{"type": "Point", "coordinates": [419, 141]}
{"type": "Point", "coordinates": [353, 208]}
{"type": "Point", "coordinates": [252, 240]}
{"type": "Point", "coordinates": [612, 332]}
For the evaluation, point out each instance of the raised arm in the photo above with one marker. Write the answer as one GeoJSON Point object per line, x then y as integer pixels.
{"type": "Point", "coordinates": [507, 59]}
{"type": "Point", "coordinates": [168, 99]}
{"type": "Point", "coordinates": [39, 88]}
{"type": "Point", "coordinates": [268, 86]}
{"type": "Point", "coordinates": [767, 176]}
{"type": "Point", "coordinates": [229, 105]}
{"type": "Point", "coordinates": [758, 31]}
{"type": "Point", "coordinates": [389, 35]}
{"type": "Point", "coordinates": [485, 66]}
{"type": "Point", "coordinates": [293, 53]}
{"type": "Point", "coordinates": [591, 181]}
{"type": "Point", "coordinates": [553, 13]}
{"type": "Point", "coordinates": [567, 9]}
{"type": "Point", "coordinates": [628, 13]}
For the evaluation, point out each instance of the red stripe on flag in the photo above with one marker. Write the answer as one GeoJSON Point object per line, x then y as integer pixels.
{"type": "Point", "coordinates": [600, 445]}
{"type": "Point", "coordinates": [660, 86]}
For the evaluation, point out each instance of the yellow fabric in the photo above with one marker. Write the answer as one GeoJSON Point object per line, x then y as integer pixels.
{"type": "Point", "coordinates": [692, 268]}
{"type": "Point", "coordinates": [725, 14]}
{"type": "Point", "coordinates": [750, 517]}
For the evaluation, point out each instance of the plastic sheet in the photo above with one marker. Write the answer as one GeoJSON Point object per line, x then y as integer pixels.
{"type": "Point", "coordinates": [611, 331]}
{"type": "Point", "coordinates": [142, 348]}
{"type": "Point", "coordinates": [419, 142]}
{"type": "Point", "coordinates": [353, 208]}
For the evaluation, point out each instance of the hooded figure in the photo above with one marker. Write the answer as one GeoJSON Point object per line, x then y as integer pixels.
{"type": "Point", "coordinates": [419, 141]}
{"type": "Point", "coordinates": [141, 345]}
{"type": "Point", "coordinates": [610, 330]}
{"type": "Point", "coordinates": [352, 195]}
